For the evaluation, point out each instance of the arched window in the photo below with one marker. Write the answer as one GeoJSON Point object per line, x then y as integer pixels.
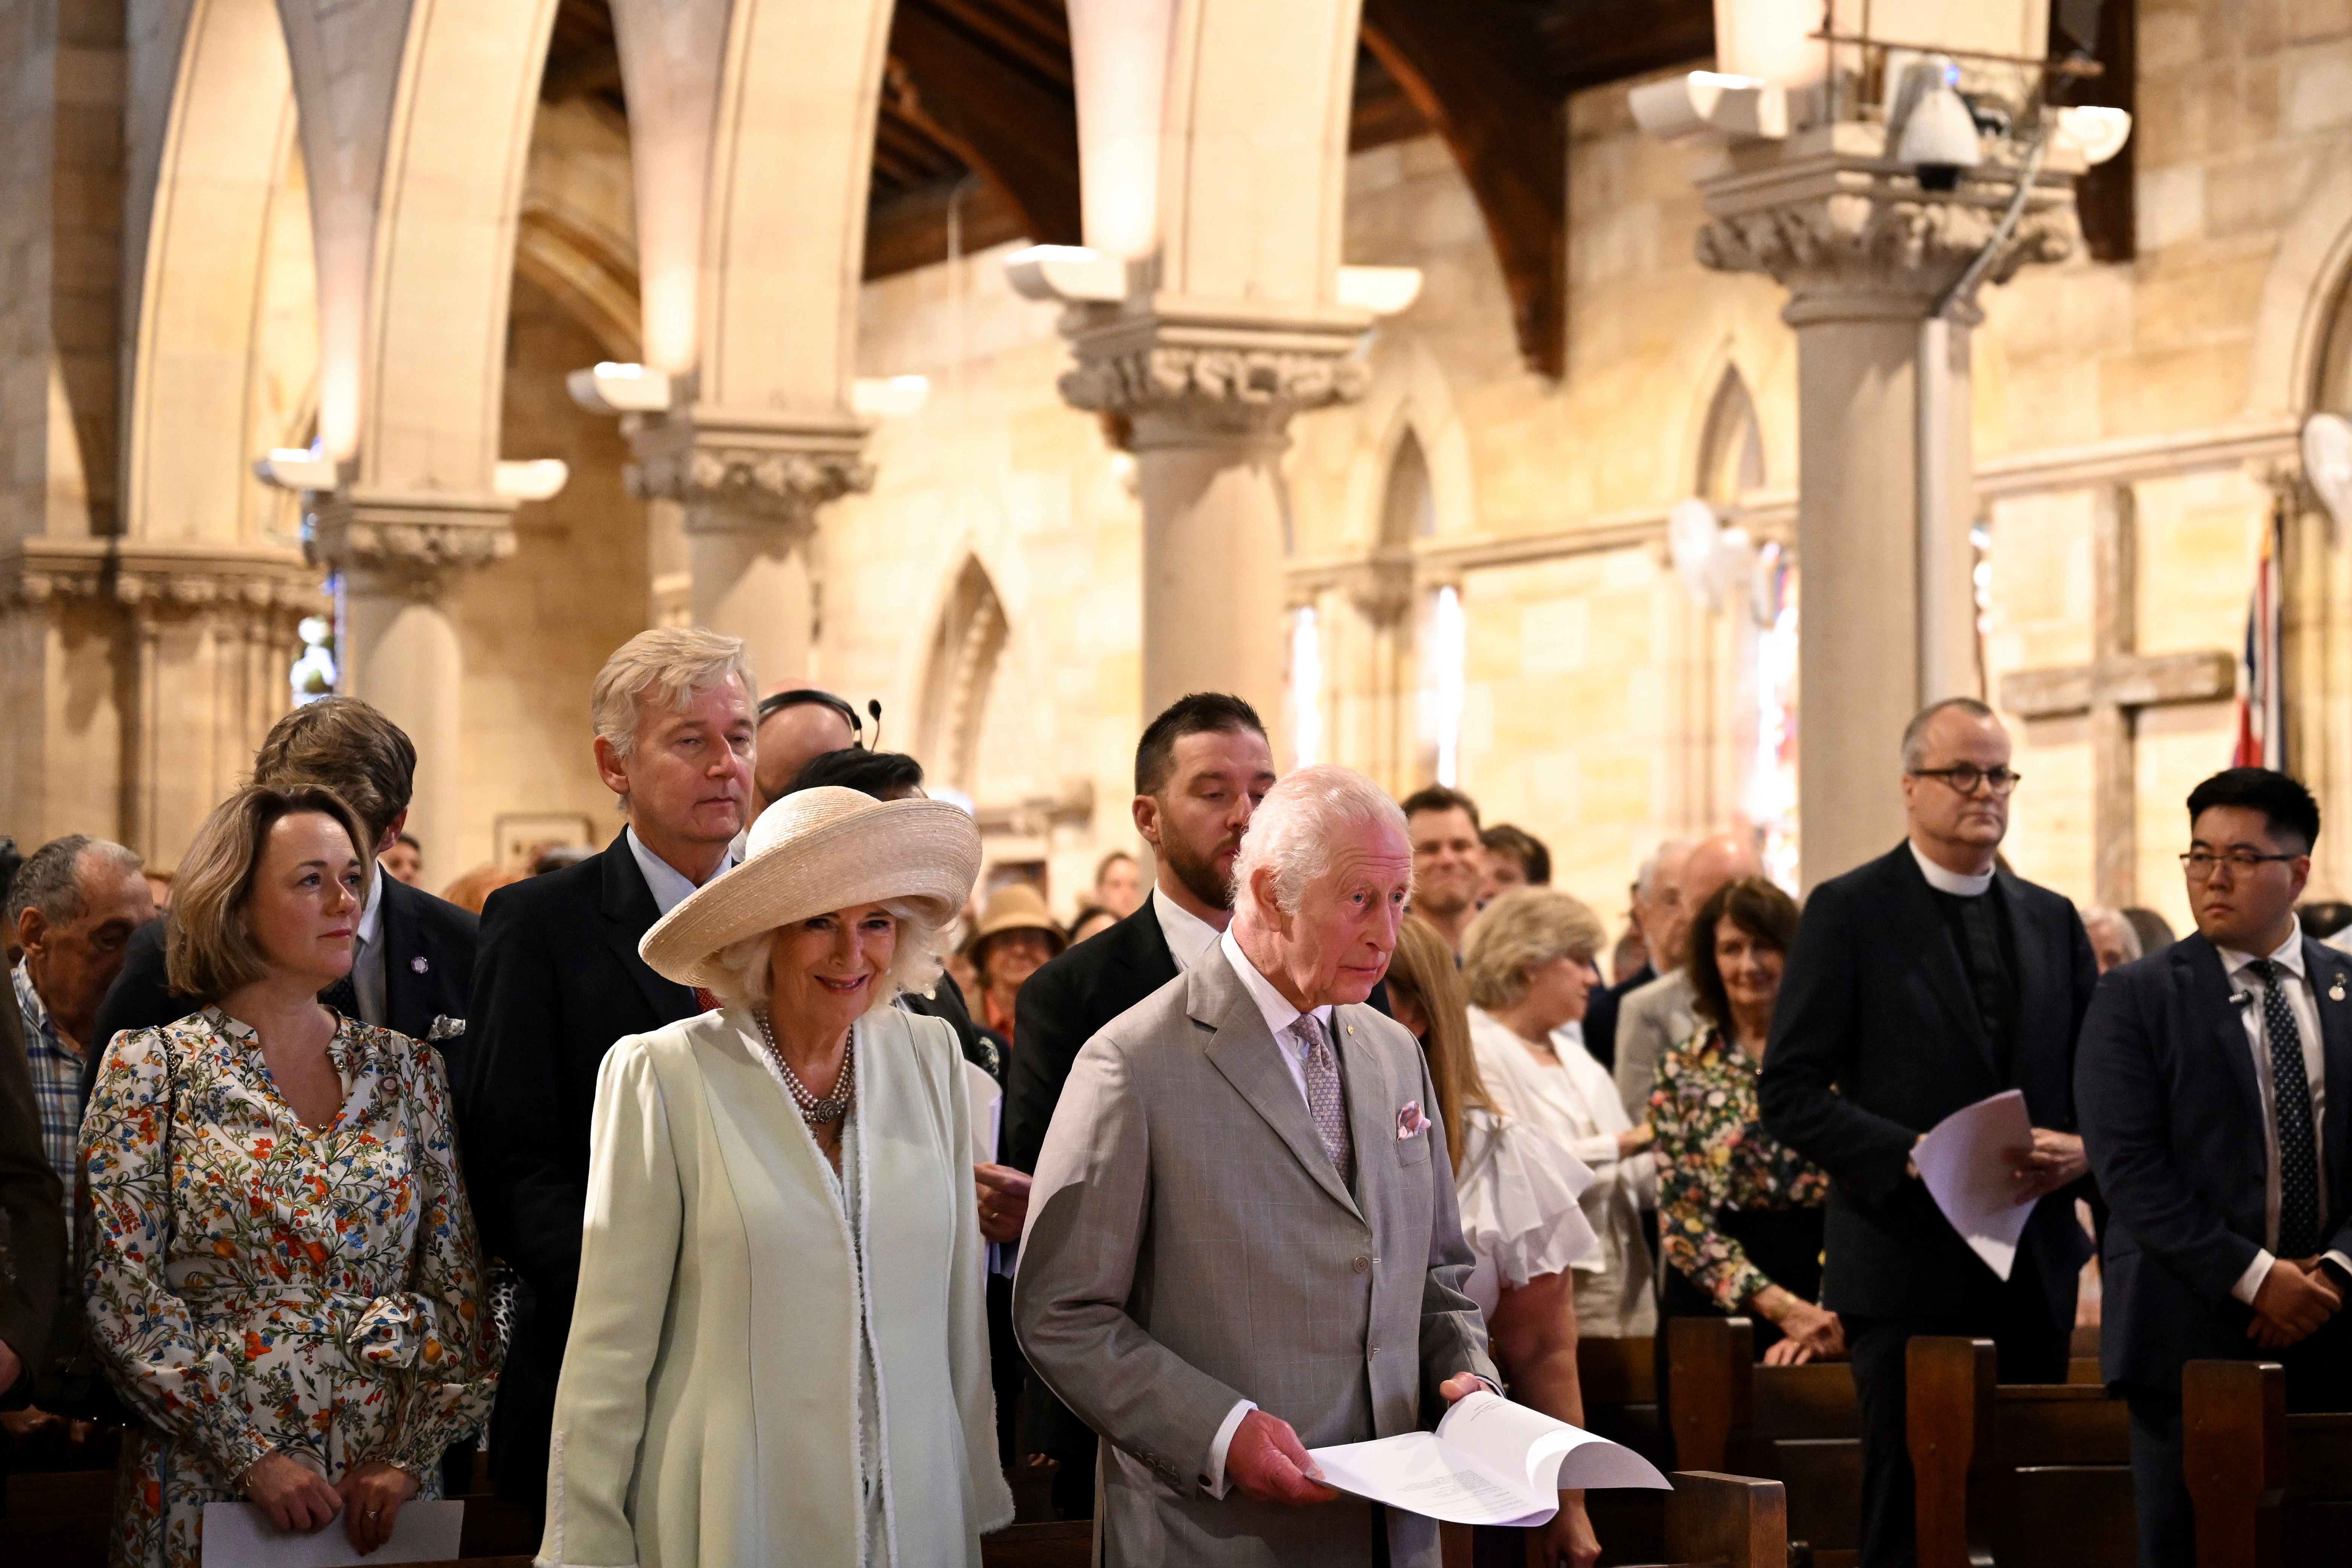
{"type": "Point", "coordinates": [957, 673]}
{"type": "Point", "coordinates": [1731, 446]}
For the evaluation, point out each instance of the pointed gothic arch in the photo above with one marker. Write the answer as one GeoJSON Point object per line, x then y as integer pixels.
{"type": "Point", "coordinates": [959, 668]}
{"type": "Point", "coordinates": [1731, 442]}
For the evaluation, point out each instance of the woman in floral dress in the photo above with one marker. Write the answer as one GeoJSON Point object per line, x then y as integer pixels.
{"type": "Point", "coordinates": [284, 1279]}
{"type": "Point", "coordinates": [1740, 1215]}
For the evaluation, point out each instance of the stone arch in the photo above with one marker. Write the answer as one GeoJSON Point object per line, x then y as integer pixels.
{"type": "Point", "coordinates": [1730, 443]}
{"type": "Point", "coordinates": [967, 643]}
{"type": "Point", "coordinates": [2307, 283]}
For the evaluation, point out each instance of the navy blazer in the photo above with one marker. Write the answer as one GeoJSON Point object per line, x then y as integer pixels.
{"type": "Point", "coordinates": [2173, 1116]}
{"type": "Point", "coordinates": [1061, 1007]}
{"type": "Point", "coordinates": [1877, 1037]}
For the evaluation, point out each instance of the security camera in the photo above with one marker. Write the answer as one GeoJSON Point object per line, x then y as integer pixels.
{"type": "Point", "coordinates": [1930, 126]}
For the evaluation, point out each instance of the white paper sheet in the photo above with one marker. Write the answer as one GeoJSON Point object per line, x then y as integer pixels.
{"type": "Point", "coordinates": [239, 1535]}
{"type": "Point", "coordinates": [1966, 1164]}
{"type": "Point", "coordinates": [1489, 1462]}
{"type": "Point", "coordinates": [987, 1103]}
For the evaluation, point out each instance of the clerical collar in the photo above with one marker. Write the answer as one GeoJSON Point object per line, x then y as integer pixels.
{"type": "Point", "coordinates": [1951, 882]}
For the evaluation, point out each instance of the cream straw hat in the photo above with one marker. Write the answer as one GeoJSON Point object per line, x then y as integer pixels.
{"type": "Point", "coordinates": [814, 851]}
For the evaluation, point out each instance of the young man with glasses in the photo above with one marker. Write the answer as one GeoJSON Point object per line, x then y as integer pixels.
{"type": "Point", "coordinates": [1928, 980]}
{"type": "Point", "coordinates": [2215, 1080]}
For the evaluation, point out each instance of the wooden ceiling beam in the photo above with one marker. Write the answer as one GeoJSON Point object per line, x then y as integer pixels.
{"type": "Point", "coordinates": [1606, 41]}
{"type": "Point", "coordinates": [1014, 132]}
{"type": "Point", "coordinates": [1021, 39]}
{"type": "Point", "coordinates": [1475, 72]}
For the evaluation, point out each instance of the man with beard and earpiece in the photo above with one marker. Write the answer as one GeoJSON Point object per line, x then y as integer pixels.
{"type": "Point", "coordinates": [1200, 771]}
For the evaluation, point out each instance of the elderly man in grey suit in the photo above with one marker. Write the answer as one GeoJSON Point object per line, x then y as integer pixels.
{"type": "Point", "coordinates": [1241, 1237]}
{"type": "Point", "coordinates": [1656, 1018]}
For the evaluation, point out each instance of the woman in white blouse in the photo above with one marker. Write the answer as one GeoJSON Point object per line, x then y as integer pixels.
{"type": "Point", "coordinates": [1517, 1189]}
{"type": "Point", "coordinates": [778, 1353]}
{"type": "Point", "coordinates": [1529, 966]}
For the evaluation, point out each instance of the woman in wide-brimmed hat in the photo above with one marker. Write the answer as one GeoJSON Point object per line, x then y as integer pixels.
{"type": "Point", "coordinates": [778, 1351]}
{"type": "Point", "coordinates": [1015, 936]}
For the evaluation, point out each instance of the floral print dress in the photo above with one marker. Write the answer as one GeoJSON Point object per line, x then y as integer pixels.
{"type": "Point", "coordinates": [1714, 1154]}
{"type": "Point", "coordinates": [258, 1287]}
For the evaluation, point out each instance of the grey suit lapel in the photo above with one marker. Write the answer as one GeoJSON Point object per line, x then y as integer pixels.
{"type": "Point", "coordinates": [1243, 1049]}
{"type": "Point", "coordinates": [2330, 971]}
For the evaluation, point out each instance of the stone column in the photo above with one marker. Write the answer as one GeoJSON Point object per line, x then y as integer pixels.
{"type": "Point", "coordinates": [747, 486]}
{"type": "Point", "coordinates": [1865, 253]}
{"type": "Point", "coordinates": [400, 556]}
{"type": "Point", "coordinates": [1208, 398]}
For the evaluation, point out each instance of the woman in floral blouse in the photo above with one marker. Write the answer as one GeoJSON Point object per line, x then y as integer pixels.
{"type": "Point", "coordinates": [284, 1281]}
{"type": "Point", "coordinates": [1740, 1215]}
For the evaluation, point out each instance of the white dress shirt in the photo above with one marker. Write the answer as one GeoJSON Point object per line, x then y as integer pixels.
{"type": "Point", "coordinates": [2305, 1009]}
{"type": "Point", "coordinates": [668, 885]}
{"type": "Point", "coordinates": [367, 956]}
{"type": "Point", "coordinates": [1187, 934]}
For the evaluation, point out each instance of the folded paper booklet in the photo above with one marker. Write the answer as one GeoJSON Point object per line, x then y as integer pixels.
{"type": "Point", "coordinates": [239, 1535]}
{"type": "Point", "coordinates": [1489, 1462]}
{"type": "Point", "coordinates": [1964, 1159]}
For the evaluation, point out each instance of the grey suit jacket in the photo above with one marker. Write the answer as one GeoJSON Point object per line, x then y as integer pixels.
{"type": "Point", "coordinates": [1190, 1245]}
{"type": "Point", "coordinates": [1650, 1023]}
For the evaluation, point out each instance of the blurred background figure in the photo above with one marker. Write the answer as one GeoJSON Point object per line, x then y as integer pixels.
{"type": "Point", "coordinates": [404, 861]}
{"type": "Point", "coordinates": [1740, 1215]}
{"type": "Point", "coordinates": [2155, 931]}
{"type": "Point", "coordinates": [1119, 885]}
{"type": "Point", "coordinates": [1015, 936]}
{"type": "Point", "coordinates": [473, 890]}
{"type": "Point", "coordinates": [1449, 863]}
{"type": "Point", "coordinates": [797, 724]}
{"type": "Point", "coordinates": [1091, 922]}
{"type": "Point", "coordinates": [2113, 938]}
{"type": "Point", "coordinates": [158, 887]}
{"type": "Point", "coordinates": [1518, 1190]}
{"type": "Point", "coordinates": [1528, 969]}
{"type": "Point", "coordinates": [1514, 858]}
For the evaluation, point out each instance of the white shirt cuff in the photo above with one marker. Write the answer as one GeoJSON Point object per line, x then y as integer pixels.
{"type": "Point", "coordinates": [2250, 1281]}
{"type": "Point", "coordinates": [1601, 1149]}
{"type": "Point", "coordinates": [1215, 1471]}
{"type": "Point", "coordinates": [2339, 1260]}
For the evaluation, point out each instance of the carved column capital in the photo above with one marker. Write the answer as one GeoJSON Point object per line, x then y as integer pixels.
{"type": "Point", "coordinates": [1183, 370]}
{"type": "Point", "coordinates": [409, 544]}
{"type": "Point", "coordinates": [747, 471]}
{"type": "Point", "coordinates": [1850, 233]}
{"type": "Point", "coordinates": [157, 579]}
{"type": "Point", "coordinates": [1381, 587]}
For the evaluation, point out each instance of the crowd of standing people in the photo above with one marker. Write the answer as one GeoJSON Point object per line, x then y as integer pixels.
{"type": "Point", "coordinates": [759, 1187]}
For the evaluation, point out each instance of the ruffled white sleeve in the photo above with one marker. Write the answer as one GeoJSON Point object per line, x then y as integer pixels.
{"type": "Point", "coordinates": [1517, 1191]}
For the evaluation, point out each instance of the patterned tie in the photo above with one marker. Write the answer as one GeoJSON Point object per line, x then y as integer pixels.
{"type": "Point", "coordinates": [2298, 1152]}
{"type": "Point", "coordinates": [1325, 1103]}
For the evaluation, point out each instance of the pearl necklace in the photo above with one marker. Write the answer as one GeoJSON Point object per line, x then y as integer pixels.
{"type": "Point", "coordinates": [814, 1111]}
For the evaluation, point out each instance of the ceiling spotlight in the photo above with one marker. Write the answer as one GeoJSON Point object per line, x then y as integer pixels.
{"type": "Point", "coordinates": [1382, 290]}
{"type": "Point", "coordinates": [889, 397]}
{"type": "Point", "coordinates": [295, 468]}
{"type": "Point", "coordinates": [1735, 108]}
{"type": "Point", "coordinates": [1068, 273]}
{"type": "Point", "coordinates": [2100, 131]}
{"type": "Point", "coordinates": [536, 479]}
{"type": "Point", "coordinates": [610, 388]}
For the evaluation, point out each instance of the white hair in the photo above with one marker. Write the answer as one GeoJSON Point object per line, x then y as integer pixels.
{"type": "Point", "coordinates": [1294, 829]}
{"type": "Point", "coordinates": [661, 671]}
{"type": "Point", "coordinates": [743, 980]}
{"type": "Point", "coordinates": [2126, 934]}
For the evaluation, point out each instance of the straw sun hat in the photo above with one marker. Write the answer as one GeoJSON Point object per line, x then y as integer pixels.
{"type": "Point", "coordinates": [1015, 905]}
{"type": "Point", "coordinates": [814, 851]}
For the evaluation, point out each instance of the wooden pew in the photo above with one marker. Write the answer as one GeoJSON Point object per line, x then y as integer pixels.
{"type": "Point", "coordinates": [2033, 1473]}
{"type": "Point", "coordinates": [2271, 1490]}
{"type": "Point", "coordinates": [1619, 1381]}
{"type": "Point", "coordinates": [1796, 1425]}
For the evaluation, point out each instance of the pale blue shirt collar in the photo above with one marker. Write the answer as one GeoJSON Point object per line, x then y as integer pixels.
{"type": "Point", "coordinates": [1952, 882]}
{"type": "Point", "coordinates": [667, 884]}
{"type": "Point", "coordinates": [371, 913]}
{"type": "Point", "coordinates": [1187, 934]}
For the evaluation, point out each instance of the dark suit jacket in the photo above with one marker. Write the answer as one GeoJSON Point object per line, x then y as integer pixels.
{"type": "Point", "coordinates": [1601, 1014]}
{"type": "Point", "coordinates": [559, 980]}
{"type": "Point", "coordinates": [1062, 1006]}
{"type": "Point", "coordinates": [33, 1241]}
{"type": "Point", "coordinates": [416, 926]}
{"type": "Point", "coordinates": [2173, 1117]}
{"type": "Point", "coordinates": [1877, 1037]}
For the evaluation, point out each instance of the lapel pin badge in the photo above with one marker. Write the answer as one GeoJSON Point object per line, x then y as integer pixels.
{"type": "Point", "coordinates": [420, 963]}
{"type": "Point", "coordinates": [2336, 988]}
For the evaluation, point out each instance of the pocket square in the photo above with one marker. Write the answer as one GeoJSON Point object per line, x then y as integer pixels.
{"type": "Point", "coordinates": [445, 1028]}
{"type": "Point", "coordinates": [1411, 1122]}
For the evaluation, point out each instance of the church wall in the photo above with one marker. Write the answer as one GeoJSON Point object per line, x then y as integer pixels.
{"type": "Point", "coordinates": [538, 625]}
{"type": "Point", "coordinates": [995, 466]}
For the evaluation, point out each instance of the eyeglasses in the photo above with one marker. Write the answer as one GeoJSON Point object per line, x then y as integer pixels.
{"type": "Point", "coordinates": [2200, 864]}
{"type": "Point", "coordinates": [1966, 776]}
